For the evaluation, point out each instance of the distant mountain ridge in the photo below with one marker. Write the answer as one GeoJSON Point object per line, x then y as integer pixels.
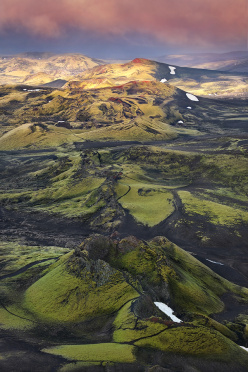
{"type": "Point", "coordinates": [22, 67]}
{"type": "Point", "coordinates": [236, 61]}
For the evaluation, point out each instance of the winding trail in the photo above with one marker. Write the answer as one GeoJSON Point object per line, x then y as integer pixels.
{"type": "Point", "coordinates": [129, 189]}
{"type": "Point", "coordinates": [26, 267]}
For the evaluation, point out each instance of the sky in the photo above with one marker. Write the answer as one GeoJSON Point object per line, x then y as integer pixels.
{"type": "Point", "coordinates": [123, 28]}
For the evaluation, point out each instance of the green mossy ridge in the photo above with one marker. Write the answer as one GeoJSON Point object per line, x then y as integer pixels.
{"type": "Point", "coordinates": [104, 352]}
{"type": "Point", "coordinates": [72, 187]}
{"type": "Point", "coordinates": [68, 293]}
{"type": "Point", "coordinates": [192, 286]}
{"type": "Point", "coordinates": [141, 259]}
{"type": "Point", "coordinates": [196, 287]}
{"type": "Point", "coordinates": [218, 169]}
{"type": "Point", "coordinates": [129, 328]}
{"type": "Point", "coordinates": [215, 212]}
{"type": "Point", "coordinates": [74, 190]}
{"type": "Point", "coordinates": [148, 205]}
{"type": "Point", "coordinates": [200, 341]}
{"type": "Point", "coordinates": [201, 320]}
{"type": "Point", "coordinates": [62, 190]}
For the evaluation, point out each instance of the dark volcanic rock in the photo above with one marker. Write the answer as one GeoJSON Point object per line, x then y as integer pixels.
{"type": "Point", "coordinates": [97, 246]}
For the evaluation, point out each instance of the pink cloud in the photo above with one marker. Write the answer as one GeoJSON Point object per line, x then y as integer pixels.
{"type": "Point", "coordinates": [194, 22]}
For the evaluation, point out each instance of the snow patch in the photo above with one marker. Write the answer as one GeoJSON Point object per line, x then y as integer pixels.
{"type": "Point", "coordinates": [32, 90]}
{"type": "Point", "coordinates": [180, 122]}
{"type": "Point", "coordinates": [245, 348]}
{"type": "Point", "coordinates": [168, 311]}
{"type": "Point", "coordinates": [61, 121]}
{"type": "Point", "coordinates": [190, 108]}
{"type": "Point", "coordinates": [192, 97]}
{"type": "Point", "coordinates": [215, 262]}
{"type": "Point", "coordinates": [163, 80]}
{"type": "Point", "coordinates": [172, 70]}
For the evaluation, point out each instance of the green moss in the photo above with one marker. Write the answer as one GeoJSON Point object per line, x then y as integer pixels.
{"type": "Point", "coordinates": [195, 341]}
{"type": "Point", "coordinates": [191, 295]}
{"type": "Point", "coordinates": [15, 318]}
{"type": "Point", "coordinates": [197, 288]}
{"type": "Point", "coordinates": [148, 205]}
{"type": "Point", "coordinates": [211, 323]}
{"type": "Point", "coordinates": [216, 213]}
{"type": "Point", "coordinates": [146, 261]}
{"type": "Point", "coordinates": [73, 294]}
{"type": "Point", "coordinates": [105, 352]}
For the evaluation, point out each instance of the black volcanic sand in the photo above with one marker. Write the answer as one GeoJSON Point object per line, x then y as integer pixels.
{"type": "Point", "coordinates": [41, 229]}
{"type": "Point", "coordinates": [25, 356]}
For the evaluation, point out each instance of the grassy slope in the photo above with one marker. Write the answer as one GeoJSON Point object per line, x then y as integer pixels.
{"type": "Point", "coordinates": [148, 205]}
{"type": "Point", "coordinates": [110, 352]}
{"type": "Point", "coordinates": [62, 296]}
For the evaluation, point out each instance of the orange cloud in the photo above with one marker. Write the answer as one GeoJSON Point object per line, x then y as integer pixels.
{"type": "Point", "coordinates": [178, 22]}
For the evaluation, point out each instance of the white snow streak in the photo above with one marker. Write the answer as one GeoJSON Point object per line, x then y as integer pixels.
{"type": "Point", "coordinates": [163, 80]}
{"type": "Point", "coordinates": [168, 311]}
{"type": "Point", "coordinates": [217, 263]}
{"type": "Point", "coordinates": [192, 97]}
{"type": "Point", "coordinates": [172, 70]}
{"type": "Point", "coordinates": [245, 348]}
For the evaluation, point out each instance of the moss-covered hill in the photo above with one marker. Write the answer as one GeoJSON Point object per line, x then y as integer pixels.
{"type": "Point", "coordinates": [99, 301]}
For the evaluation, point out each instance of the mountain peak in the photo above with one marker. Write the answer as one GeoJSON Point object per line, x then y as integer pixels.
{"type": "Point", "coordinates": [140, 60]}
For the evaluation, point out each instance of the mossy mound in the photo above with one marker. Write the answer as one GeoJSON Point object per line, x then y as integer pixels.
{"type": "Point", "coordinates": [103, 293]}
{"type": "Point", "coordinates": [167, 272]}
{"type": "Point", "coordinates": [76, 289]}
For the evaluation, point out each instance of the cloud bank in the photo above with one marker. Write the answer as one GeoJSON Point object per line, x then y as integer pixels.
{"type": "Point", "coordinates": [177, 22]}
